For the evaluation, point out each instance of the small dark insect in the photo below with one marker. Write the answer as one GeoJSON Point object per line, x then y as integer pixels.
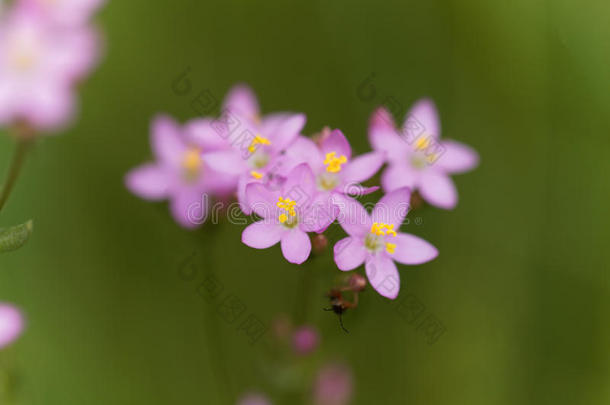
{"type": "Point", "coordinates": [339, 305]}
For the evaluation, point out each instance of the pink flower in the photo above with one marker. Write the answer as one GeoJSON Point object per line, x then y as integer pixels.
{"type": "Point", "coordinates": [288, 213]}
{"type": "Point", "coordinates": [332, 163]}
{"type": "Point", "coordinates": [258, 142]}
{"type": "Point", "coordinates": [417, 157]}
{"type": "Point", "coordinates": [334, 385]}
{"type": "Point", "coordinates": [65, 12]}
{"type": "Point", "coordinates": [180, 173]}
{"type": "Point", "coordinates": [375, 241]}
{"type": "Point", "coordinates": [11, 324]}
{"type": "Point", "coordinates": [39, 65]}
{"type": "Point", "coordinates": [305, 340]}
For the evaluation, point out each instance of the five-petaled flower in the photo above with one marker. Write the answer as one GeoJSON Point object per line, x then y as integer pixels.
{"type": "Point", "coordinates": [288, 213]}
{"type": "Point", "coordinates": [180, 172]}
{"type": "Point", "coordinates": [258, 143]}
{"type": "Point", "coordinates": [375, 240]}
{"type": "Point", "coordinates": [417, 158]}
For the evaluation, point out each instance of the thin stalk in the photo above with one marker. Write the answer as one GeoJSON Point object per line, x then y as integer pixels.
{"type": "Point", "coordinates": [21, 150]}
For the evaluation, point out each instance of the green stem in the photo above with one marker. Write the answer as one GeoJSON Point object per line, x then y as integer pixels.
{"type": "Point", "coordinates": [304, 290]}
{"type": "Point", "coordinates": [212, 331]}
{"type": "Point", "coordinates": [23, 145]}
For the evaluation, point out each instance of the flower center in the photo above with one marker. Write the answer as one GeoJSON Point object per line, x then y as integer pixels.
{"type": "Point", "coordinates": [258, 140]}
{"type": "Point", "coordinates": [420, 159]}
{"type": "Point", "coordinates": [333, 163]}
{"type": "Point", "coordinates": [24, 54]}
{"type": "Point", "coordinates": [192, 163]}
{"type": "Point", "coordinates": [259, 159]}
{"type": "Point", "coordinates": [256, 175]}
{"type": "Point", "coordinates": [288, 215]}
{"type": "Point", "coordinates": [375, 240]}
{"type": "Point", "coordinates": [327, 181]}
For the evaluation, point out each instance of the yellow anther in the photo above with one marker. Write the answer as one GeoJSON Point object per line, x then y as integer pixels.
{"type": "Point", "coordinates": [287, 205]}
{"type": "Point", "coordinates": [390, 248]}
{"type": "Point", "coordinates": [381, 229]}
{"type": "Point", "coordinates": [283, 218]}
{"type": "Point", "coordinates": [258, 140]}
{"type": "Point", "coordinates": [334, 163]}
{"type": "Point", "coordinates": [256, 175]}
{"type": "Point", "coordinates": [192, 160]}
{"type": "Point", "coordinates": [422, 143]}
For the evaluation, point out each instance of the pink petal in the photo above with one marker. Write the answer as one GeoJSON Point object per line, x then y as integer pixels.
{"type": "Point", "coordinates": [149, 181]}
{"type": "Point", "coordinates": [438, 189]}
{"type": "Point", "coordinates": [357, 190]}
{"type": "Point", "coordinates": [300, 185]}
{"type": "Point", "coordinates": [457, 157]}
{"type": "Point", "coordinates": [392, 208]}
{"type": "Point", "coordinates": [349, 253]}
{"type": "Point", "coordinates": [384, 137]}
{"type": "Point", "coordinates": [363, 167]}
{"type": "Point", "coordinates": [189, 207]}
{"type": "Point", "coordinates": [412, 250]}
{"type": "Point", "coordinates": [296, 246]}
{"type": "Point", "coordinates": [304, 150]}
{"type": "Point", "coordinates": [242, 100]}
{"type": "Point", "coordinates": [242, 198]}
{"type": "Point", "coordinates": [166, 141]}
{"type": "Point", "coordinates": [319, 214]}
{"type": "Point", "coordinates": [423, 119]}
{"type": "Point", "coordinates": [201, 133]}
{"type": "Point", "coordinates": [336, 142]}
{"type": "Point", "coordinates": [262, 234]}
{"type": "Point", "coordinates": [383, 275]}
{"type": "Point", "coordinates": [49, 107]}
{"type": "Point", "coordinates": [227, 161]}
{"type": "Point", "coordinates": [353, 218]}
{"type": "Point", "coordinates": [11, 324]}
{"type": "Point", "coordinates": [282, 129]}
{"type": "Point", "coordinates": [398, 176]}
{"type": "Point", "coordinates": [262, 200]}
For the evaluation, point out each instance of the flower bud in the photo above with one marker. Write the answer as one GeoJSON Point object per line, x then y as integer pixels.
{"type": "Point", "coordinates": [319, 243]}
{"type": "Point", "coordinates": [357, 283]}
{"type": "Point", "coordinates": [253, 398]}
{"type": "Point", "coordinates": [11, 324]}
{"type": "Point", "coordinates": [334, 385]}
{"type": "Point", "coordinates": [305, 340]}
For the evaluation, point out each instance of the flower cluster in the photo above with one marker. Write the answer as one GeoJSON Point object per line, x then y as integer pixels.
{"type": "Point", "coordinates": [298, 185]}
{"type": "Point", "coordinates": [46, 48]}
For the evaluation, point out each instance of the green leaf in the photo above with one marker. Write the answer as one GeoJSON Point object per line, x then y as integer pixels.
{"type": "Point", "coordinates": [15, 237]}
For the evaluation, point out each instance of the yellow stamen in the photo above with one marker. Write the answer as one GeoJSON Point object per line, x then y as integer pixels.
{"type": "Point", "coordinates": [256, 175]}
{"type": "Point", "coordinates": [258, 140]}
{"type": "Point", "coordinates": [381, 229]}
{"type": "Point", "coordinates": [390, 248]}
{"type": "Point", "coordinates": [288, 206]}
{"type": "Point", "coordinates": [422, 143]}
{"type": "Point", "coordinates": [192, 160]}
{"type": "Point", "coordinates": [334, 163]}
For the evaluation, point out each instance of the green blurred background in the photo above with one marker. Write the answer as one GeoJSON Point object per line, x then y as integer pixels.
{"type": "Point", "coordinates": [521, 283]}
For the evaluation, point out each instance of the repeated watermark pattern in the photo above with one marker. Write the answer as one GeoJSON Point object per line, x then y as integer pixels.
{"type": "Point", "coordinates": [228, 305]}
{"type": "Point", "coordinates": [412, 311]}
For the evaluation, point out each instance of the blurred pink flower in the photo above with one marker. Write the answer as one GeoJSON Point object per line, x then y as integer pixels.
{"type": "Point", "coordinates": [257, 142]}
{"type": "Point", "coordinates": [334, 385]}
{"type": "Point", "coordinates": [11, 324]}
{"type": "Point", "coordinates": [332, 163]}
{"type": "Point", "coordinates": [180, 173]}
{"type": "Point", "coordinates": [39, 65]}
{"type": "Point", "coordinates": [65, 12]}
{"type": "Point", "coordinates": [305, 340]}
{"type": "Point", "coordinates": [253, 398]}
{"type": "Point", "coordinates": [288, 214]}
{"type": "Point", "coordinates": [375, 241]}
{"type": "Point", "coordinates": [417, 158]}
